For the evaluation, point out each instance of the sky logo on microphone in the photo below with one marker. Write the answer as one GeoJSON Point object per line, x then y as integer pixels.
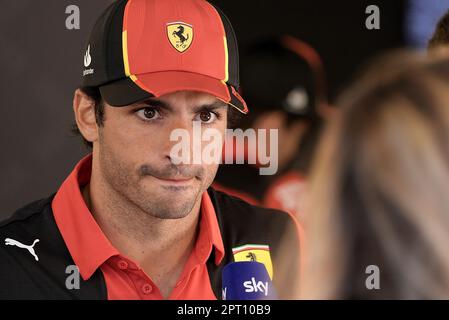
{"type": "Point", "coordinates": [253, 286]}
{"type": "Point", "coordinates": [247, 280]}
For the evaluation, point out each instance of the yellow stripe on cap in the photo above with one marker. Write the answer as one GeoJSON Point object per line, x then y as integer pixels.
{"type": "Point", "coordinates": [226, 59]}
{"type": "Point", "coordinates": [125, 52]}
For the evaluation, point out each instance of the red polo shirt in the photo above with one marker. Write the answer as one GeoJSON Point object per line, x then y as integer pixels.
{"type": "Point", "coordinates": [91, 250]}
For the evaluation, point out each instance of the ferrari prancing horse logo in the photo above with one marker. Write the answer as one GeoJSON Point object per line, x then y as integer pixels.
{"type": "Point", "coordinates": [180, 35]}
{"type": "Point", "coordinates": [254, 252]}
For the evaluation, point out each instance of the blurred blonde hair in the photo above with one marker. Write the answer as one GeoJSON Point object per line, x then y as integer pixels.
{"type": "Point", "coordinates": [380, 187]}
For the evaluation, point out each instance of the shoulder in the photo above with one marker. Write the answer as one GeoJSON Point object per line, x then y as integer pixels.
{"type": "Point", "coordinates": [34, 258]}
{"type": "Point", "coordinates": [27, 215]}
{"type": "Point", "coordinates": [33, 222]}
{"type": "Point", "coordinates": [20, 267]}
{"type": "Point", "coordinates": [232, 208]}
{"type": "Point", "coordinates": [242, 222]}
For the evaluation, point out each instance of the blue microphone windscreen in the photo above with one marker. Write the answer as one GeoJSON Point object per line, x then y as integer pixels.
{"type": "Point", "coordinates": [247, 280]}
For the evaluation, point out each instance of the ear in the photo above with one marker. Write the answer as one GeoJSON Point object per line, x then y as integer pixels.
{"type": "Point", "coordinates": [84, 109]}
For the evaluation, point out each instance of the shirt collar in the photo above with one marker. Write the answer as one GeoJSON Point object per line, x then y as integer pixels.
{"type": "Point", "coordinates": [209, 232]}
{"type": "Point", "coordinates": [86, 242]}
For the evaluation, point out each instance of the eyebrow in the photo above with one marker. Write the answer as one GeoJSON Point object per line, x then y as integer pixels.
{"type": "Point", "coordinates": [213, 106]}
{"type": "Point", "coordinates": [163, 105]}
{"type": "Point", "coordinates": [156, 103]}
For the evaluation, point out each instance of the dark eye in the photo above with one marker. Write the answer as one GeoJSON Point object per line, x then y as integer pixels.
{"type": "Point", "coordinates": [207, 116]}
{"type": "Point", "coordinates": [148, 114]}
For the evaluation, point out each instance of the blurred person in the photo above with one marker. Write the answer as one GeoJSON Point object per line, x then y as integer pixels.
{"type": "Point", "coordinates": [379, 187]}
{"type": "Point", "coordinates": [440, 38]}
{"type": "Point", "coordinates": [419, 18]}
{"type": "Point", "coordinates": [283, 80]}
{"type": "Point", "coordinates": [131, 222]}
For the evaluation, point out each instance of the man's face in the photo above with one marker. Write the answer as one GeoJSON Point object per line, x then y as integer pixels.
{"type": "Point", "coordinates": [134, 150]}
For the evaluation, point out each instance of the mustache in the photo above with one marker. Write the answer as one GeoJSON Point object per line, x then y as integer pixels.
{"type": "Point", "coordinates": [171, 171]}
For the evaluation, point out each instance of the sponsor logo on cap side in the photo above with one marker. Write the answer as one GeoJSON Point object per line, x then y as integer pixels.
{"type": "Point", "coordinates": [87, 62]}
{"type": "Point", "coordinates": [87, 57]}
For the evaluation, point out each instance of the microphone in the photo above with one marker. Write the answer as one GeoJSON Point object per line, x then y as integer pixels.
{"type": "Point", "coordinates": [247, 280]}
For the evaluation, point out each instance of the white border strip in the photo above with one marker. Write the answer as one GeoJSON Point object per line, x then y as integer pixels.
{"type": "Point", "coordinates": [252, 246]}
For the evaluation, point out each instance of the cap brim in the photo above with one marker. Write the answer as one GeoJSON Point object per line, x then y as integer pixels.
{"type": "Point", "coordinates": [128, 91]}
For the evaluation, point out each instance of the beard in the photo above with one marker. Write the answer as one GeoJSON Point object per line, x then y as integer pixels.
{"type": "Point", "coordinates": [138, 185]}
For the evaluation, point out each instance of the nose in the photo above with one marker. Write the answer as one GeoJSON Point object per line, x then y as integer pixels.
{"type": "Point", "coordinates": [178, 147]}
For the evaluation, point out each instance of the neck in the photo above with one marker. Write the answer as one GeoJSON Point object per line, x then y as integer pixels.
{"type": "Point", "coordinates": [161, 247]}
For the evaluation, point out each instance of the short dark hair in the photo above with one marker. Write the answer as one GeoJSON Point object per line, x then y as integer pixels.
{"type": "Point", "coordinates": [440, 36]}
{"type": "Point", "coordinates": [94, 94]}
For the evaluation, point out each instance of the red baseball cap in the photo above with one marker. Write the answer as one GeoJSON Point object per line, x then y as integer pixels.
{"type": "Point", "coordinates": [147, 48]}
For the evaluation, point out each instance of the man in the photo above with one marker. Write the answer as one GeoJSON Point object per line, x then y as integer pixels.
{"type": "Point", "coordinates": [134, 222]}
{"type": "Point", "coordinates": [289, 97]}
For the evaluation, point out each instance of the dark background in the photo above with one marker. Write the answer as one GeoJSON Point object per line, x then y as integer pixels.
{"type": "Point", "coordinates": [41, 64]}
